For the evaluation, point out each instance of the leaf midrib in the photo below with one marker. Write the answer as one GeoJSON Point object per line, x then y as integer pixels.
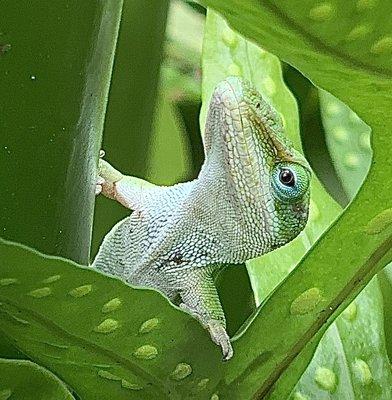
{"type": "Point", "coordinates": [317, 44]}
{"type": "Point", "coordinates": [347, 60]}
{"type": "Point", "coordinates": [380, 252]}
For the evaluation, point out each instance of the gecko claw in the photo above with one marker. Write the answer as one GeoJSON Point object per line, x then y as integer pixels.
{"type": "Point", "coordinates": [216, 330]}
{"type": "Point", "coordinates": [221, 338]}
{"type": "Point", "coordinates": [98, 185]}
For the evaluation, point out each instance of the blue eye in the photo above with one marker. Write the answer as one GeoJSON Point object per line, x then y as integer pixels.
{"type": "Point", "coordinates": [290, 181]}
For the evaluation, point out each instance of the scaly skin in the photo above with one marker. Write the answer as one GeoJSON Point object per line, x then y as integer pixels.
{"type": "Point", "coordinates": [251, 196]}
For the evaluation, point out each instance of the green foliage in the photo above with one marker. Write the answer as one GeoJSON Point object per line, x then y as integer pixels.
{"type": "Point", "coordinates": [54, 88]}
{"type": "Point", "coordinates": [25, 380]}
{"type": "Point", "coordinates": [353, 350]}
{"type": "Point", "coordinates": [52, 106]}
{"type": "Point", "coordinates": [108, 340]}
{"type": "Point", "coordinates": [169, 160]}
{"type": "Point", "coordinates": [105, 339]}
{"type": "Point", "coordinates": [348, 140]}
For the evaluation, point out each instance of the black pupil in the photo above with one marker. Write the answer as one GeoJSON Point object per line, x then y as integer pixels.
{"type": "Point", "coordinates": [287, 177]}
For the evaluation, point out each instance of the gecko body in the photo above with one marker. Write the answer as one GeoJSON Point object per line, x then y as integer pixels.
{"type": "Point", "coordinates": [251, 196]}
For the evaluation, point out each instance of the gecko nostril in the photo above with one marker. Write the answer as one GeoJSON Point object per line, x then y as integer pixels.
{"type": "Point", "coordinates": [299, 208]}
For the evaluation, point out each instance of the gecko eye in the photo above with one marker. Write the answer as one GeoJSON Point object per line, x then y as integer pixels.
{"type": "Point", "coordinates": [290, 181]}
{"type": "Point", "coordinates": [287, 177]}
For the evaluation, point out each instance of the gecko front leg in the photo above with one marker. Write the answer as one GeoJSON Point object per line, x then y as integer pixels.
{"type": "Point", "coordinates": [130, 191]}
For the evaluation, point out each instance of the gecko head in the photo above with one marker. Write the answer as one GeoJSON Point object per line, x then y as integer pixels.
{"type": "Point", "coordinates": [270, 177]}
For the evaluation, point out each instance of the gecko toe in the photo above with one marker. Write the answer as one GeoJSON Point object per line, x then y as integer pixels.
{"type": "Point", "coordinates": [221, 338]}
{"type": "Point", "coordinates": [227, 350]}
{"type": "Point", "coordinates": [98, 189]}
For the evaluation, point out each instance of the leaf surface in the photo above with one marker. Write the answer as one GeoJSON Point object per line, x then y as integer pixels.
{"type": "Point", "coordinates": [354, 347]}
{"type": "Point", "coordinates": [21, 379]}
{"type": "Point", "coordinates": [351, 360]}
{"type": "Point", "coordinates": [100, 336]}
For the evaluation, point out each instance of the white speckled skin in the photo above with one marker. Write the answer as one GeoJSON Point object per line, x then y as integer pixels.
{"type": "Point", "coordinates": [178, 236]}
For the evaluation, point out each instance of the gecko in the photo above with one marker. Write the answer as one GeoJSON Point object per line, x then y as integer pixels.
{"type": "Point", "coordinates": [250, 197]}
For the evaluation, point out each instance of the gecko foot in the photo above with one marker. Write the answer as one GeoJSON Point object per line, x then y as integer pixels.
{"type": "Point", "coordinates": [216, 330]}
{"type": "Point", "coordinates": [221, 338]}
{"type": "Point", "coordinates": [108, 176]}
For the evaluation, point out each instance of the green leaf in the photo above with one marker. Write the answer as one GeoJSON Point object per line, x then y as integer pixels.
{"type": "Point", "coordinates": [385, 278]}
{"type": "Point", "coordinates": [99, 335]}
{"type": "Point", "coordinates": [353, 352]}
{"type": "Point", "coordinates": [20, 379]}
{"type": "Point", "coordinates": [348, 140]}
{"type": "Point", "coordinates": [358, 72]}
{"type": "Point", "coordinates": [169, 158]}
{"type": "Point", "coordinates": [181, 67]}
{"type": "Point", "coordinates": [54, 88]}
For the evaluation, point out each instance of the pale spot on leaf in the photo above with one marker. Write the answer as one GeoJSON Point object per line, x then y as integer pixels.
{"type": "Point", "coordinates": [129, 385]}
{"type": "Point", "coordinates": [108, 375]}
{"type": "Point", "coordinates": [350, 312]}
{"type": "Point", "coordinates": [325, 379]}
{"type": "Point", "coordinates": [229, 38]}
{"type": "Point", "coordinates": [306, 301]}
{"type": "Point", "coordinates": [351, 160]}
{"type": "Point", "coordinates": [362, 371]}
{"type": "Point", "coordinates": [111, 305]}
{"type": "Point", "coordinates": [8, 281]}
{"type": "Point", "coordinates": [299, 396]}
{"type": "Point", "coordinates": [146, 352]}
{"type": "Point", "coordinates": [384, 45]}
{"type": "Point", "coordinates": [107, 326]}
{"type": "Point", "coordinates": [149, 325]}
{"type": "Point", "coordinates": [234, 70]}
{"type": "Point", "coordinates": [80, 291]}
{"type": "Point", "coordinates": [51, 279]}
{"type": "Point", "coordinates": [379, 223]}
{"type": "Point", "coordinates": [40, 292]}
{"type": "Point", "coordinates": [340, 133]}
{"type": "Point", "coordinates": [181, 371]}
{"type": "Point", "coordinates": [202, 384]}
{"type": "Point", "coordinates": [322, 12]}
{"type": "Point", "coordinates": [363, 5]}
{"type": "Point", "coordinates": [359, 32]}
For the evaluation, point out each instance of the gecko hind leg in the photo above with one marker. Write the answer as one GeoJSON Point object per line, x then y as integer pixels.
{"type": "Point", "coordinates": [200, 299]}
